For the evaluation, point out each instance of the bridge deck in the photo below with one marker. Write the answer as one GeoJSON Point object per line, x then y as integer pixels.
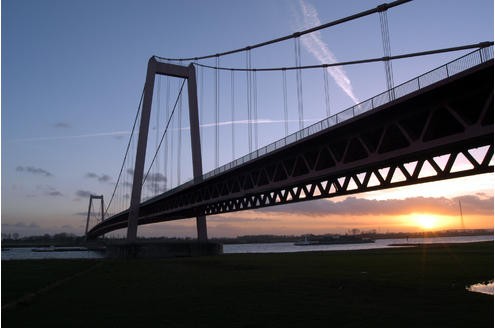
{"type": "Point", "coordinates": [363, 153]}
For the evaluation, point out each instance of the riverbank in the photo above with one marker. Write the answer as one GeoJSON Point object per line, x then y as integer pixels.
{"type": "Point", "coordinates": [408, 287]}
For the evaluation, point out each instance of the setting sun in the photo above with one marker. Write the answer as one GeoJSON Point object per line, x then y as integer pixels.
{"type": "Point", "coordinates": [426, 221]}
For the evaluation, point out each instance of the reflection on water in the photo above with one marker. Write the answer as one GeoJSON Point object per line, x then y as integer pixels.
{"type": "Point", "coordinates": [484, 288]}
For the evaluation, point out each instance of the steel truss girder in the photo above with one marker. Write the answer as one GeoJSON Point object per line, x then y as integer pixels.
{"type": "Point", "coordinates": [415, 139]}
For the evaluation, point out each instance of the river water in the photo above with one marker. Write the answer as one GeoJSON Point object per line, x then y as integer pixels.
{"type": "Point", "coordinates": [26, 253]}
{"type": "Point", "coordinates": [379, 243]}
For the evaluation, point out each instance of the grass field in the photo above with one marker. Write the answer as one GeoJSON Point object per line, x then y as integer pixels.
{"type": "Point", "coordinates": [406, 287]}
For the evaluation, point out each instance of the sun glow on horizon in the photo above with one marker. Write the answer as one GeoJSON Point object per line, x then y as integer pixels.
{"type": "Point", "coordinates": [426, 221]}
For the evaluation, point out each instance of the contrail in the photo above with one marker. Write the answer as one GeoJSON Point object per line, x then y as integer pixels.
{"type": "Point", "coordinates": [126, 133]}
{"type": "Point", "coordinates": [259, 121]}
{"type": "Point", "coordinates": [315, 45]}
{"type": "Point", "coordinates": [245, 122]}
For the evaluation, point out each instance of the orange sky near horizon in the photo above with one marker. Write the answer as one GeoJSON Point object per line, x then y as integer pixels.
{"type": "Point", "coordinates": [300, 225]}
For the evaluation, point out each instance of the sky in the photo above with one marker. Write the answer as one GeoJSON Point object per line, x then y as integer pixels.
{"type": "Point", "coordinates": [73, 72]}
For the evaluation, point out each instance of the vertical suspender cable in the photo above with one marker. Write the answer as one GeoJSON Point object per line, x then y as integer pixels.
{"type": "Point", "coordinates": [157, 136]}
{"type": "Point", "coordinates": [255, 109]}
{"type": "Point", "coordinates": [134, 150]}
{"type": "Point", "coordinates": [179, 147]}
{"type": "Point", "coordinates": [167, 113]}
{"type": "Point", "coordinates": [387, 51]}
{"type": "Point", "coordinates": [286, 110]}
{"type": "Point", "coordinates": [172, 152]}
{"type": "Point", "coordinates": [122, 190]}
{"type": "Point", "coordinates": [163, 135]}
{"type": "Point", "coordinates": [297, 50]}
{"type": "Point", "coordinates": [128, 180]}
{"type": "Point", "coordinates": [123, 187]}
{"type": "Point", "coordinates": [327, 91]}
{"type": "Point", "coordinates": [179, 141]}
{"type": "Point", "coordinates": [248, 96]}
{"type": "Point", "coordinates": [128, 151]}
{"type": "Point", "coordinates": [217, 112]}
{"type": "Point", "coordinates": [201, 104]}
{"type": "Point", "coordinates": [120, 199]}
{"type": "Point", "coordinates": [232, 111]}
{"type": "Point", "coordinates": [130, 171]}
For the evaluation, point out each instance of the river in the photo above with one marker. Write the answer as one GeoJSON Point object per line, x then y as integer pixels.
{"type": "Point", "coordinates": [379, 243]}
{"type": "Point", "coordinates": [26, 253]}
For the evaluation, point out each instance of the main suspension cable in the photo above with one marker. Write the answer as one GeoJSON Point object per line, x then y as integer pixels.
{"type": "Point", "coordinates": [296, 34]}
{"type": "Point", "coordinates": [354, 62]}
{"type": "Point", "coordinates": [126, 153]}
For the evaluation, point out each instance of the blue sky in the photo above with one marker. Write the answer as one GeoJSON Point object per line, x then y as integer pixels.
{"type": "Point", "coordinates": [73, 72]}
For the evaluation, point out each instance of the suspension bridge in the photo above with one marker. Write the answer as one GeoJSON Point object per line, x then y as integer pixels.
{"type": "Point", "coordinates": [436, 126]}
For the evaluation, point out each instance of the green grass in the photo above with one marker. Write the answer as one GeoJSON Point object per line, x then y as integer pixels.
{"type": "Point", "coordinates": [22, 277]}
{"type": "Point", "coordinates": [420, 287]}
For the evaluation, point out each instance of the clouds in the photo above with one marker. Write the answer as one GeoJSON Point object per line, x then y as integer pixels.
{"type": "Point", "coordinates": [21, 225]}
{"type": "Point", "coordinates": [352, 206]}
{"type": "Point", "coordinates": [94, 213]}
{"type": "Point", "coordinates": [83, 193]}
{"type": "Point", "coordinates": [337, 216]}
{"type": "Point", "coordinates": [20, 229]}
{"type": "Point", "coordinates": [80, 136]}
{"type": "Point", "coordinates": [101, 178]}
{"type": "Point", "coordinates": [24, 229]}
{"type": "Point", "coordinates": [61, 125]}
{"type": "Point", "coordinates": [315, 45]}
{"type": "Point", "coordinates": [155, 183]}
{"type": "Point", "coordinates": [40, 189]}
{"type": "Point", "coordinates": [105, 178]}
{"type": "Point", "coordinates": [54, 193]}
{"type": "Point", "coordinates": [158, 177]}
{"type": "Point", "coordinates": [34, 170]}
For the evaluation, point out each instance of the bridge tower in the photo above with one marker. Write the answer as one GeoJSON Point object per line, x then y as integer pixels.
{"type": "Point", "coordinates": [186, 72]}
{"type": "Point", "coordinates": [91, 197]}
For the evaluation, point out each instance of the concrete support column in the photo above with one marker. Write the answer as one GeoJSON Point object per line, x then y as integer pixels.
{"type": "Point", "coordinates": [189, 73]}
{"type": "Point", "coordinates": [196, 144]}
{"type": "Point", "coordinates": [91, 197]}
{"type": "Point", "coordinates": [137, 182]}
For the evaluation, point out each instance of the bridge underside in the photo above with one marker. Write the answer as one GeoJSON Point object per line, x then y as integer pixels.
{"type": "Point", "coordinates": [414, 139]}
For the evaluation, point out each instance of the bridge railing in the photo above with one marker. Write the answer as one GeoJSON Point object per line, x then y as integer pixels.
{"type": "Point", "coordinates": [445, 71]}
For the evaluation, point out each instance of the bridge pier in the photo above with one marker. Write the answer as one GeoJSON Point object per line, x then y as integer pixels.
{"type": "Point", "coordinates": [189, 73]}
{"type": "Point", "coordinates": [201, 228]}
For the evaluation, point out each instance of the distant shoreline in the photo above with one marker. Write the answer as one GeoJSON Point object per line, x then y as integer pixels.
{"type": "Point", "coordinates": [79, 241]}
